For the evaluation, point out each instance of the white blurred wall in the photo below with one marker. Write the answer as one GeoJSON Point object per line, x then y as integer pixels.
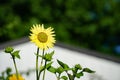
{"type": "Point", "coordinates": [105, 70]}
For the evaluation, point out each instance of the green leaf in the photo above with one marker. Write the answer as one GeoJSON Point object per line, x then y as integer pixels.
{"type": "Point", "coordinates": [16, 54]}
{"type": "Point", "coordinates": [64, 77]}
{"type": "Point", "coordinates": [8, 50]}
{"type": "Point", "coordinates": [1, 78]}
{"type": "Point", "coordinates": [8, 71]}
{"type": "Point", "coordinates": [74, 70]}
{"type": "Point", "coordinates": [65, 66]}
{"type": "Point", "coordinates": [78, 66]}
{"type": "Point", "coordinates": [78, 75]}
{"type": "Point", "coordinates": [52, 69]}
{"type": "Point", "coordinates": [48, 56]}
{"type": "Point", "coordinates": [49, 64]}
{"type": "Point", "coordinates": [60, 70]}
{"type": "Point", "coordinates": [42, 68]}
{"type": "Point", "coordinates": [88, 70]}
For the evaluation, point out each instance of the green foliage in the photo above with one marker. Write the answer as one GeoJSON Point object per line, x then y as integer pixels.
{"type": "Point", "coordinates": [63, 65]}
{"type": "Point", "coordinates": [77, 71]}
{"type": "Point", "coordinates": [16, 54]}
{"type": "Point", "coordinates": [48, 56]}
{"type": "Point", "coordinates": [48, 66]}
{"type": "Point", "coordinates": [78, 66]}
{"type": "Point", "coordinates": [12, 52]}
{"type": "Point", "coordinates": [94, 23]}
{"type": "Point", "coordinates": [5, 74]}
{"type": "Point", "coordinates": [80, 74]}
{"type": "Point", "coordinates": [88, 70]}
{"type": "Point", "coordinates": [52, 69]}
{"type": "Point", "coordinates": [59, 70]}
{"type": "Point", "coordinates": [64, 78]}
{"type": "Point", "coordinates": [8, 50]}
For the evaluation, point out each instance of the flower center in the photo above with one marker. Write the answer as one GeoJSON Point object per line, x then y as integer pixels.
{"type": "Point", "coordinates": [42, 37]}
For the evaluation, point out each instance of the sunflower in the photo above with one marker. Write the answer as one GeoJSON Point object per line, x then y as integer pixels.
{"type": "Point", "coordinates": [14, 77]}
{"type": "Point", "coordinates": [43, 38]}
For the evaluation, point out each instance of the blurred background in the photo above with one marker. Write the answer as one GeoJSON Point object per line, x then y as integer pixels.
{"type": "Point", "coordinates": [90, 24]}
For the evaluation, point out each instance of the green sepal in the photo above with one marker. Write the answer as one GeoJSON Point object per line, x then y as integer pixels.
{"type": "Point", "coordinates": [64, 77]}
{"type": "Point", "coordinates": [8, 50]}
{"type": "Point", "coordinates": [16, 54]}
{"type": "Point", "coordinates": [64, 66]}
{"type": "Point", "coordinates": [88, 70]}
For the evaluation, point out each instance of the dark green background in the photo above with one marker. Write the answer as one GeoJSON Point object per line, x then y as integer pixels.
{"type": "Point", "coordinates": [91, 24]}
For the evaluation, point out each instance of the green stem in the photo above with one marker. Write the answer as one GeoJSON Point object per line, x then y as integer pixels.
{"type": "Point", "coordinates": [37, 77]}
{"type": "Point", "coordinates": [41, 63]}
{"type": "Point", "coordinates": [42, 57]}
{"type": "Point", "coordinates": [69, 76]}
{"type": "Point", "coordinates": [58, 77]}
{"type": "Point", "coordinates": [15, 66]}
{"type": "Point", "coordinates": [44, 70]}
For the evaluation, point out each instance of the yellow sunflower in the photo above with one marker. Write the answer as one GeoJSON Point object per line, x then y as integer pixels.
{"type": "Point", "coordinates": [14, 77]}
{"type": "Point", "coordinates": [43, 38]}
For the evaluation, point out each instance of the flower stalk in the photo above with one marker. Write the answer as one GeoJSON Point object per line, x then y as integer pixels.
{"type": "Point", "coordinates": [15, 67]}
{"type": "Point", "coordinates": [37, 77]}
{"type": "Point", "coordinates": [41, 63]}
{"type": "Point", "coordinates": [44, 70]}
